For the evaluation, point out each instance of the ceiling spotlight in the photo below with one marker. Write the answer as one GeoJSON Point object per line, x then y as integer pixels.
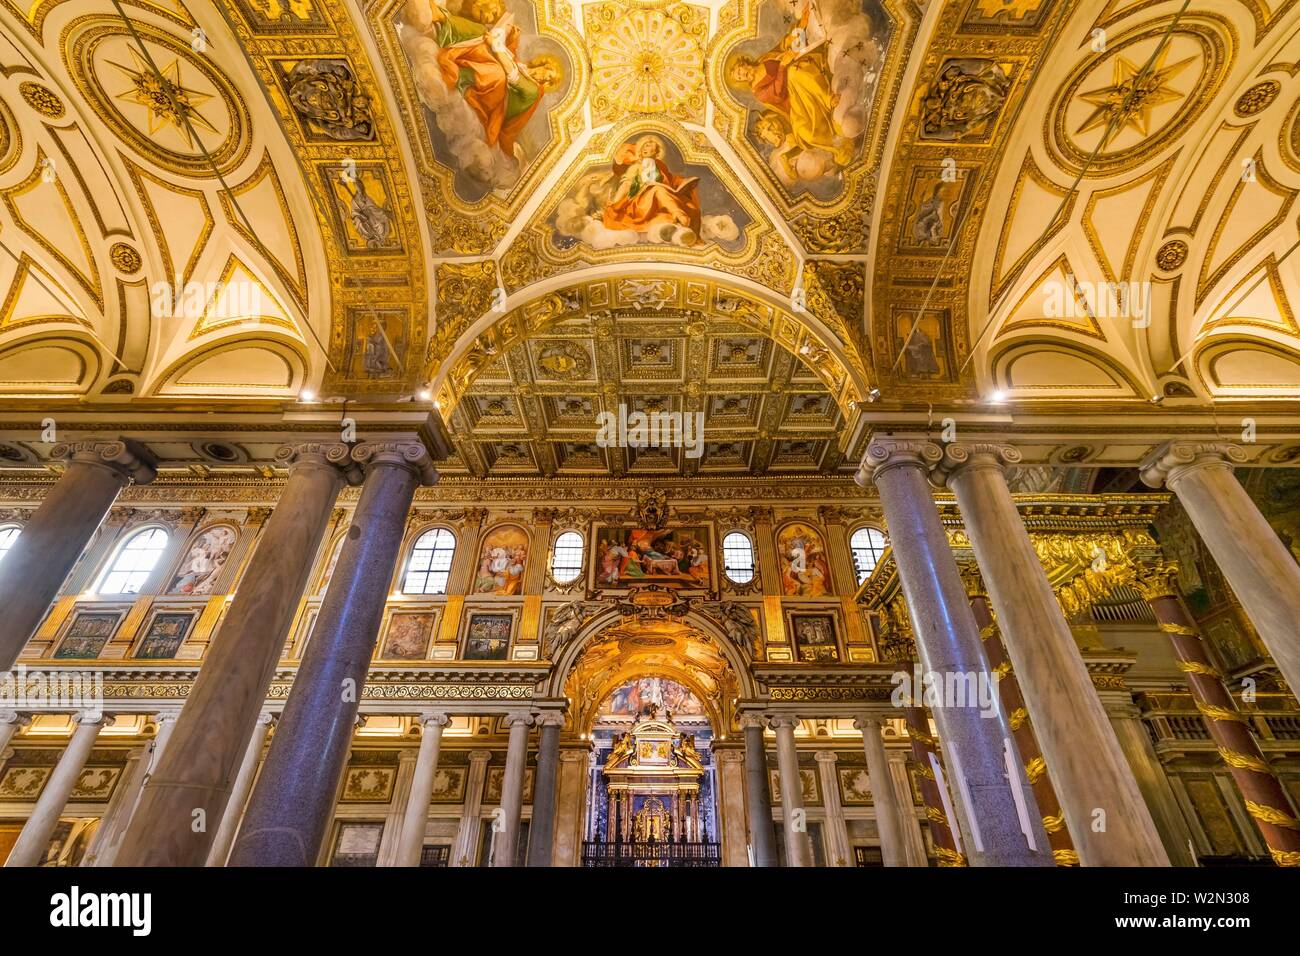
{"type": "Point", "coordinates": [424, 394]}
{"type": "Point", "coordinates": [998, 396]}
{"type": "Point", "coordinates": [306, 395]}
{"type": "Point", "coordinates": [1156, 399]}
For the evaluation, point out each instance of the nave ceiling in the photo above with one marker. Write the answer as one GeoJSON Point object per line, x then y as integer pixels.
{"type": "Point", "coordinates": [371, 200]}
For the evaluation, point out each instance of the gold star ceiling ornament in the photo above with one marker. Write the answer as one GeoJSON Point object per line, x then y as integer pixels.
{"type": "Point", "coordinates": [1135, 92]}
{"type": "Point", "coordinates": [169, 102]}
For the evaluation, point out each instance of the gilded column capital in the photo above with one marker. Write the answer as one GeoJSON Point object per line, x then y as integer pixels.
{"type": "Point", "coordinates": [1173, 459]}
{"type": "Point", "coordinates": [972, 580]}
{"type": "Point", "coordinates": [258, 515]}
{"type": "Point", "coordinates": [125, 458]}
{"type": "Point", "coordinates": [885, 453]}
{"type": "Point", "coordinates": [1157, 580]}
{"type": "Point", "coordinates": [962, 456]}
{"type": "Point", "coordinates": [411, 455]}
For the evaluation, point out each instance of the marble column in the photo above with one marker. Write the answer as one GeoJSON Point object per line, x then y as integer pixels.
{"type": "Point", "coordinates": [512, 791]}
{"type": "Point", "coordinates": [103, 852]}
{"type": "Point", "coordinates": [1013, 703]}
{"type": "Point", "coordinates": [187, 792]}
{"type": "Point", "coordinates": [541, 830]}
{"type": "Point", "coordinates": [467, 840]}
{"type": "Point", "coordinates": [1152, 781]}
{"type": "Point", "coordinates": [293, 800]}
{"type": "Point", "coordinates": [837, 830]}
{"type": "Point", "coordinates": [10, 723]}
{"type": "Point", "coordinates": [889, 822]}
{"type": "Point", "coordinates": [234, 812]}
{"type": "Point", "coordinates": [762, 834]}
{"type": "Point", "coordinates": [1003, 821]}
{"type": "Point", "coordinates": [34, 839]}
{"type": "Point", "coordinates": [54, 537]}
{"type": "Point", "coordinates": [913, 841]}
{"type": "Point", "coordinates": [793, 816]}
{"type": "Point", "coordinates": [416, 819]}
{"type": "Point", "coordinates": [1263, 573]}
{"type": "Point", "coordinates": [1108, 821]}
{"type": "Point", "coordinates": [944, 833]}
{"type": "Point", "coordinates": [1265, 799]}
{"type": "Point", "coordinates": [570, 809]}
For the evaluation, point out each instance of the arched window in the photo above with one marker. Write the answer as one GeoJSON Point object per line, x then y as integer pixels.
{"type": "Point", "coordinates": [430, 564]}
{"type": "Point", "coordinates": [8, 535]}
{"type": "Point", "coordinates": [566, 557]}
{"type": "Point", "coordinates": [867, 545]}
{"type": "Point", "coordinates": [134, 562]}
{"type": "Point", "coordinates": [738, 558]}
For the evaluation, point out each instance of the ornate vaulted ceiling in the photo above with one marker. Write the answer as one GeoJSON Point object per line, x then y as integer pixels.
{"type": "Point", "coordinates": [533, 211]}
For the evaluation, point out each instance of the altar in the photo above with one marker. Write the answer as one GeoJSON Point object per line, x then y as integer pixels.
{"type": "Point", "coordinates": [652, 781]}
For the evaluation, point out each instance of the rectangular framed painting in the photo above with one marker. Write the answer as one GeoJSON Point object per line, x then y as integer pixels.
{"type": "Point", "coordinates": [487, 637]}
{"type": "Point", "coordinates": [815, 640]}
{"type": "Point", "coordinates": [87, 634]}
{"type": "Point", "coordinates": [665, 557]}
{"type": "Point", "coordinates": [408, 636]}
{"type": "Point", "coordinates": [164, 634]}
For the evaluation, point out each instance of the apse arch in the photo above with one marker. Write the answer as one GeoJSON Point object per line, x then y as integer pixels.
{"type": "Point", "coordinates": [490, 321]}
{"type": "Point", "coordinates": [570, 652]}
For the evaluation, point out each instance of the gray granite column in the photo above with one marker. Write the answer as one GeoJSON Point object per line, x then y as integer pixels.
{"type": "Point", "coordinates": [293, 800]}
{"type": "Point", "coordinates": [541, 829]}
{"type": "Point", "coordinates": [234, 813]}
{"type": "Point", "coordinates": [762, 834]}
{"type": "Point", "coordinates": [884, 796]}
{"type": "Point", "coordinates": [34, 839]}
{"type": "Point", "coordinates": [187, 792]}
{"type": "Point", "coordinates": [797, 850]}
{"type": "Point", "coordinates": [52, 540]}
{"type": "Point", "coordinates": [1104, 810]}
{"type": "Point", "coordinates": [416, 819]}
{"type": "Point", "coordinates": [512, 791]}
{"type": "Point", "coordinates": [1263, 574]}
{"type": "Point", "coordinates": [1004, 824]}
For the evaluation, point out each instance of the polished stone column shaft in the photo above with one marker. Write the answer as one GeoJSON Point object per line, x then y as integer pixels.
{"type": "Point", "coordinates": [797, 850]}
{"type": "Point", "coordinates": [32, 842]}
{"type": "Point", "coordinates": [1263, 573]}
{"type": "Point", "coordinates": [1004, 824]}
{"type": "Point", "coordinates": [1108, 820]}
{"type": "Point", "coordinates": [187, 793]}
{"type": "Point", "coordinates": [762, 835]}
{"type": "Point", "coordinates": [889, 823]}
{"type": "Point", "coordinates": [416, 819]}
{"type": "Point", "coordinates": [541, 829]}
{"type": "Point", "coordinates": [1266, 800]}
{"type": "Point", "coordinates": [926, 755]}
{"type": "Point", "coordinates": [512, 791]}
{"type": "Point", "coordinates": [54, 537]}
{"type": "Point", "coordinates": [293, 800]}
{"type": "Point", "coordinates": [10, 723]}
{"type": "Point", "coordinates": [1013, 703]}
{"type": "Point", "coordinates": [234, 812]}
{"type": "Point", "coordinates": [108, 838]}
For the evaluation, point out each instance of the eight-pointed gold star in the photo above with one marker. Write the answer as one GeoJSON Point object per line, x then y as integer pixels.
{"type": "Point", "coordinates": [168, 101]}
{"type": "Point", "coordinates": [1129, 100]}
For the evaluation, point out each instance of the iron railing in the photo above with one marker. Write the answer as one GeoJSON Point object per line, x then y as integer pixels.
{"type": "Point", "coordinates": [651, 854]}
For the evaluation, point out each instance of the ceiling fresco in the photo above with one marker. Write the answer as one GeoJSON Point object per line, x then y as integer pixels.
{"type": "Point", "coordinates": [540, 210]}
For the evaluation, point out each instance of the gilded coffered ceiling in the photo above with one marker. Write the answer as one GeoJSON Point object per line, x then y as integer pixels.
{"type": "Point", "coordinates": [769, 212]}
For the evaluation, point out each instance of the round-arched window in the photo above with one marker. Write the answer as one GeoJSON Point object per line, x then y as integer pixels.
{"type": "Point", "coordinates": [134, 562]}
{"type": "Point", "coordinates": [566, 557]}
{"type": "Point", "coordinates": [430, 564]}
{"type": "Point", "coordinates": [867, 545]}
{"type": "Point", "coordinates": [8, 535]}
{"type": "Point", "coordinates": [738, 557]}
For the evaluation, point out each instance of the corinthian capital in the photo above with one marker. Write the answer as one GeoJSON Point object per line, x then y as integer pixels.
{"type": "Point", "coordinates": [980, 454]}
{"type": "Point", "coordinates": [1173, 459]}
{"type": "Point", "coordinates": [885, 453]}
{"type": "Point", "coordinates": [126, 458]}
{"type": "Point", "coordinates": [1157, 580]}
{"type": "Point", "coordinates": [411, 455]}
